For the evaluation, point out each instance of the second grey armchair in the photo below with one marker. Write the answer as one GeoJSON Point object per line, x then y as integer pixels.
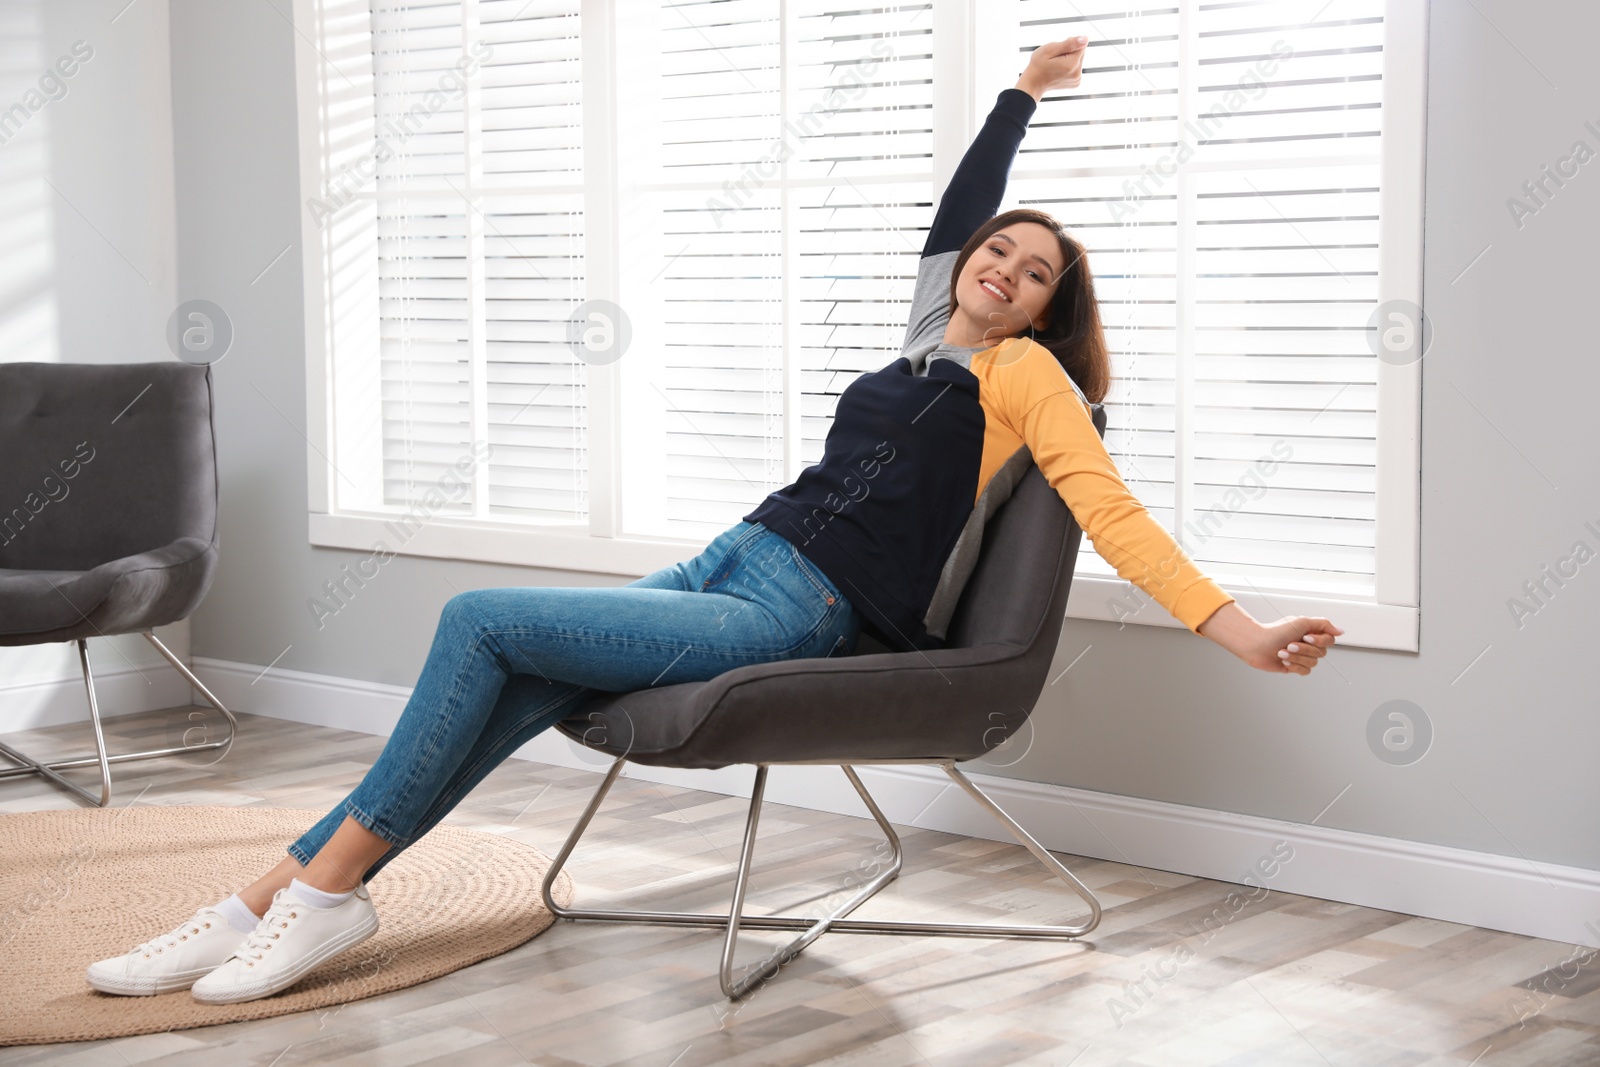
{"type": "Point", "coordinates": [108, 521]}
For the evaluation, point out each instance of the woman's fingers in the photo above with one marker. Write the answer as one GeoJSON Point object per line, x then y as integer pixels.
{"type": "Point", "coordinates": [1311, 645]}
{"type": "Point", "coordinates": [1300, 656]}
{"type": "Point", "coordinates": [1067, 56]}
{"type": "Point", "coordinates": [1298, 661]}
{"type": "Point", "coordinates": [1061, 62]}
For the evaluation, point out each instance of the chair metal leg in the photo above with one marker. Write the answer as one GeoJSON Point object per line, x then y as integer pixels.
{"type": "Point", "coordinates": [732, 989]}
{"type": "Point", "coordinates": [101, 757]}
{"type": "Point", "coordinates": [814, 927]}
{"type": "Point", "coordinates": [226, 744]}
{"type": "Point", "coordinates": [1040, 853]}
{"type": "Point", "coordinates": [757, 973]}
{"type": "Point", "coordinates": [33, 766]}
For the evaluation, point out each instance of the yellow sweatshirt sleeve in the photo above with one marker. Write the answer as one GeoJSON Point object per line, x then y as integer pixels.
{"type": "Point", "coordinates": [1056, 425]}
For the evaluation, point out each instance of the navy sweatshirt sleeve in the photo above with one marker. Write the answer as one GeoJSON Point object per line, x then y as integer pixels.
{"type": "Point", "coordinates": [979, 183]}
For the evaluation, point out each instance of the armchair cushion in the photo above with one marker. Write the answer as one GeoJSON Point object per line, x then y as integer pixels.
{"type": "Point", "coordinates": [881, 707]}
{"type": "Point", "coordinates": [137, 592]}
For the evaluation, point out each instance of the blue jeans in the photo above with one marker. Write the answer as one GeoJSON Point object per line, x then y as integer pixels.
{"type": "Point", "coordinates": [509, 663]}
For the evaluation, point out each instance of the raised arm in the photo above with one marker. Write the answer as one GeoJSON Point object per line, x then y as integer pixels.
{"type": "Point", "coordinates": [979, 183]}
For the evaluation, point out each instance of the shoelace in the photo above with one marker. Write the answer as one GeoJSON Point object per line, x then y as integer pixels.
{"type": "Point", "coordinates": [156, 946]}
{"type": "Point", "coordinates": [268, 930]}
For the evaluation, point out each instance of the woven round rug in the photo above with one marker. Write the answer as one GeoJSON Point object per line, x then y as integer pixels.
{"type": "Point", "coordinates": [84, 885]}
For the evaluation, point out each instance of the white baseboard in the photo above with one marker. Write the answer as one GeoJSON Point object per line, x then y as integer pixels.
{"type": "Point", "coordinates": [1433, 881]}
{"type": "Point", "coordinates": [120, 691]}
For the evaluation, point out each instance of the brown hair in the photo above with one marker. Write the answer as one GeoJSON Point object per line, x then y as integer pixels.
{"type": "Point", "coordinates": [1074, 334]}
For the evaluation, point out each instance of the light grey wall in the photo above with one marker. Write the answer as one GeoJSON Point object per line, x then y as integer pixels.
{"type": "Point", "coordinates": [88, 254]}
{"type": "Point", "coordinates": [1509, 390]}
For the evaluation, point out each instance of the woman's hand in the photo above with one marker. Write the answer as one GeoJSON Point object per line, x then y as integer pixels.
{"type": "Point", "coordinates": [1292, 645]}
{"type": "Point", "coordinates": [1057, 65]}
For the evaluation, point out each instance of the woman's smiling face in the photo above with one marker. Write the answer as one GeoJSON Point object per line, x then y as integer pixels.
{"type": "Point", "coordinates": [1006, 284]}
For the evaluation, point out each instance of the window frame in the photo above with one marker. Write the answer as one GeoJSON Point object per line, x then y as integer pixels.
{"type": "Point", "coordinates": [1390, 619]}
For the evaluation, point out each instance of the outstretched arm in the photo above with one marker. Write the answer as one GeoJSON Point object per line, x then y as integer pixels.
{"type": "Point", "coordinates": [979, 183]}
{"type": "Point", "coordinates": [1033, 396]}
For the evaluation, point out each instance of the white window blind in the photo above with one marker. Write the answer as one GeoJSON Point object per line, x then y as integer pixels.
{"type": "Point", "coordinates": [481, 249]}
{"type": "Point", "coordinates": [1221, 165]}
{"type": "Point", "coordinates": [791, 166]}
{"type": "Point", "coordinates": [792, 162]}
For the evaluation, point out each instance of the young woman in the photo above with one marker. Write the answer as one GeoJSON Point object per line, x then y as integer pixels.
{"type": "Point", "coordinates": [1003, 354]}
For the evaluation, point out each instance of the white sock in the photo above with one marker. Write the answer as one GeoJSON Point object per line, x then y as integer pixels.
{"type": "Point", "coordinates": [316, 898]}
{"type": "Point", "coordinates": [238, 914]}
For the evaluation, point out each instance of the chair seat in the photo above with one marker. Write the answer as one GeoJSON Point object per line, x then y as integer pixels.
{"type": "Point", "coordinates": [889, 706]}
{"type": "Point", "coordinates": [123, 595]}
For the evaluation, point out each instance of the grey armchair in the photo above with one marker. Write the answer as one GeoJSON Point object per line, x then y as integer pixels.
{"type": "Point", "coordinates": [939, 707]}
{"type": "Point", "coordinates": [108, 521]}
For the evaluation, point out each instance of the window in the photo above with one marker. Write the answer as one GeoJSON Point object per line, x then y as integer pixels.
{"type": "Point", "coordinates": [585, 279]}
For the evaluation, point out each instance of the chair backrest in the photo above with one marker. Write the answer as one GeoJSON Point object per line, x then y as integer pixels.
{"type": "Point", "coordinates": [1030, 549]}
{"type": "Point", "coordinates": [103, 461]}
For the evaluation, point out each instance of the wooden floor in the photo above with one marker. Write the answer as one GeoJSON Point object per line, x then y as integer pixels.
{"type": "Point", "coordinates": [1285, 981]}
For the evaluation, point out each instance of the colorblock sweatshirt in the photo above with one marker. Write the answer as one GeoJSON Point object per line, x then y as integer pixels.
{"type": "Point", "coordinates": [923, 452]}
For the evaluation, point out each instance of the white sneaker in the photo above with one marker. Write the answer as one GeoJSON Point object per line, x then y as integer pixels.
{"type": "Point", "coordinates": [289, 942]}
{"type": "Point", "coordinates": [170, 962]}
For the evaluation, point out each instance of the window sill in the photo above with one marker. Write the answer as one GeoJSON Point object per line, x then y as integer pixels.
{"type": "Point", "coordinates": [1366, 624]}
{"type": "Point", "coordinates": [488, 542]}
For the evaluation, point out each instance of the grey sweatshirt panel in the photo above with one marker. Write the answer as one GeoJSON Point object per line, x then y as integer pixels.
{"type": "Point", "coordinates": [930, 315]}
